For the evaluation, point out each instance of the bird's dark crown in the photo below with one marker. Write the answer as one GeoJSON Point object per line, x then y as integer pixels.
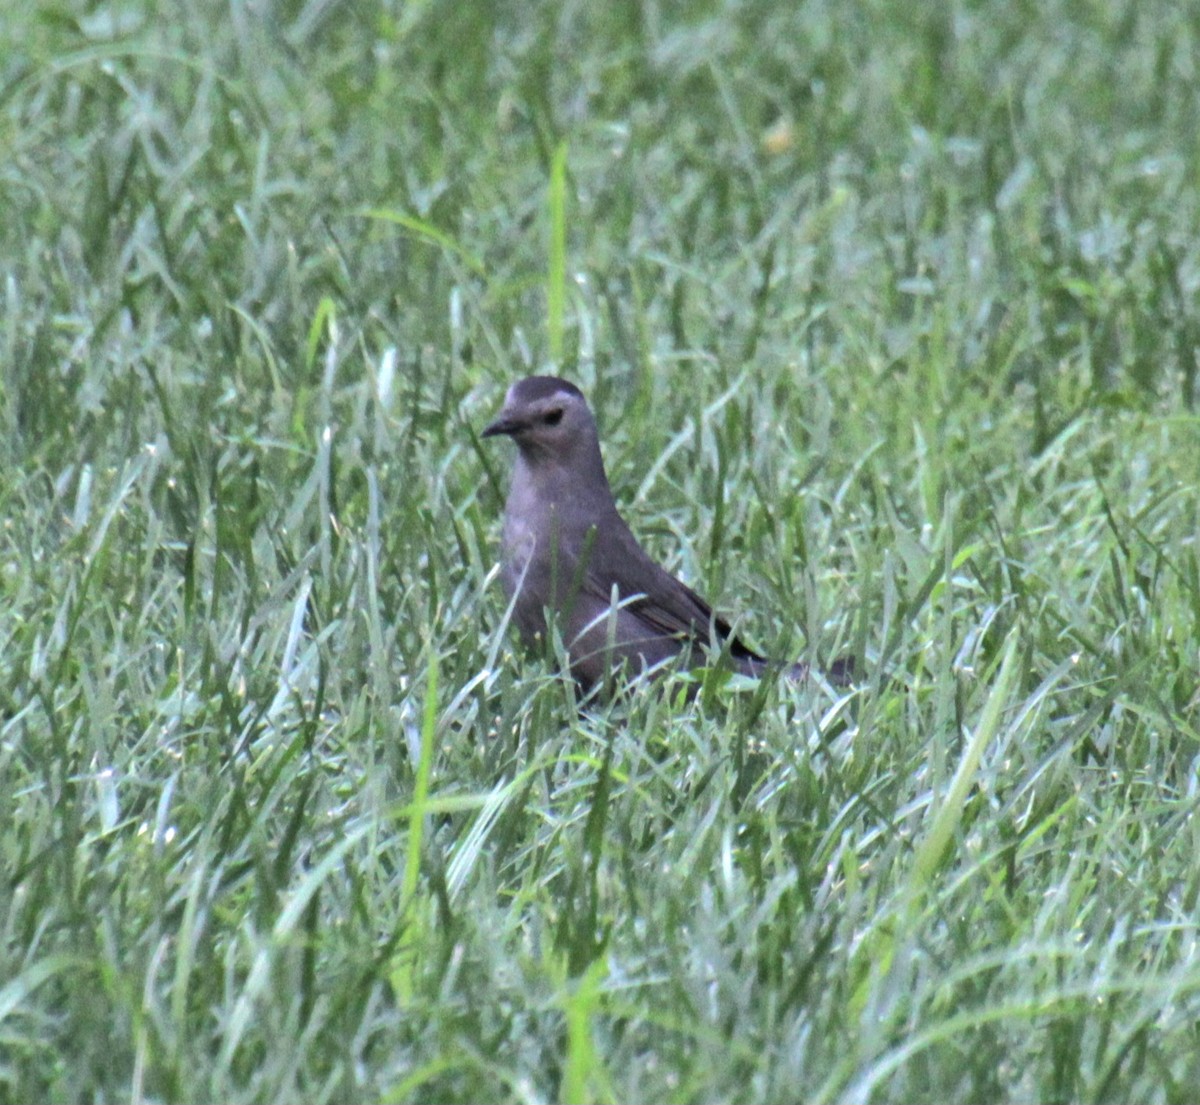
{"type": "Point", "coordinates": [534, 388]}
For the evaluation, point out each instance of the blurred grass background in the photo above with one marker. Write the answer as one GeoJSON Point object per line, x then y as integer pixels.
{"type": "Point", "coordinates": [889, 316]}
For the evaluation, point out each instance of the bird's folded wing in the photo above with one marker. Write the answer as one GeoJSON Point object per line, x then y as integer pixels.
{"type": "Point", "coordinates": [664, 604]}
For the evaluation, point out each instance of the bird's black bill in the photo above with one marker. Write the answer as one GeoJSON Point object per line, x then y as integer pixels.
{"type": "Point", "coordinates": [507, 426]}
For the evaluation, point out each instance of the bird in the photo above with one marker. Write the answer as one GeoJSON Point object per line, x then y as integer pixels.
{"type": "Point", "coordinates": [567, 552]}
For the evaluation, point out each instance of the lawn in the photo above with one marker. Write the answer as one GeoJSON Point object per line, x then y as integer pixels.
{"type": "Point", "coordinates": [890, 317]}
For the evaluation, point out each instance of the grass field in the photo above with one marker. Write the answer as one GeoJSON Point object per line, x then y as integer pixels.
{"type": "Point", "coordinates": [890, 317]}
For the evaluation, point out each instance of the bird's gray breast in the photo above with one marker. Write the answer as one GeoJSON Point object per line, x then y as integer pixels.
{"type": "Point", "coordinates": [526, 573]}
{"type": "Point", "coordinates": [519, 542]}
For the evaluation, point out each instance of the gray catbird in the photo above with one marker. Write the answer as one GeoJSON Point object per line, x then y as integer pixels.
{"type": "Point", "coordinates": [567, 550]}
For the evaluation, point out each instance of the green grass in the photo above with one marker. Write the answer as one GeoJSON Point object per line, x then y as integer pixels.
{"type": "Point", "coordinates": [890, 321]}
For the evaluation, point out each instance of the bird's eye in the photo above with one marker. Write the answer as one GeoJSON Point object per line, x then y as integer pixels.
{"type": "Point", "coordinates": [553, 417]}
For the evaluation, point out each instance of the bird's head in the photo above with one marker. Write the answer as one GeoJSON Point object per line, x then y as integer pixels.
{"type": "Point", "coordinates": [549, 420]}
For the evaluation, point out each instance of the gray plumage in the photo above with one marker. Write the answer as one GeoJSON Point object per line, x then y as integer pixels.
{"type": "Point", "coordinates": [568, 550]}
